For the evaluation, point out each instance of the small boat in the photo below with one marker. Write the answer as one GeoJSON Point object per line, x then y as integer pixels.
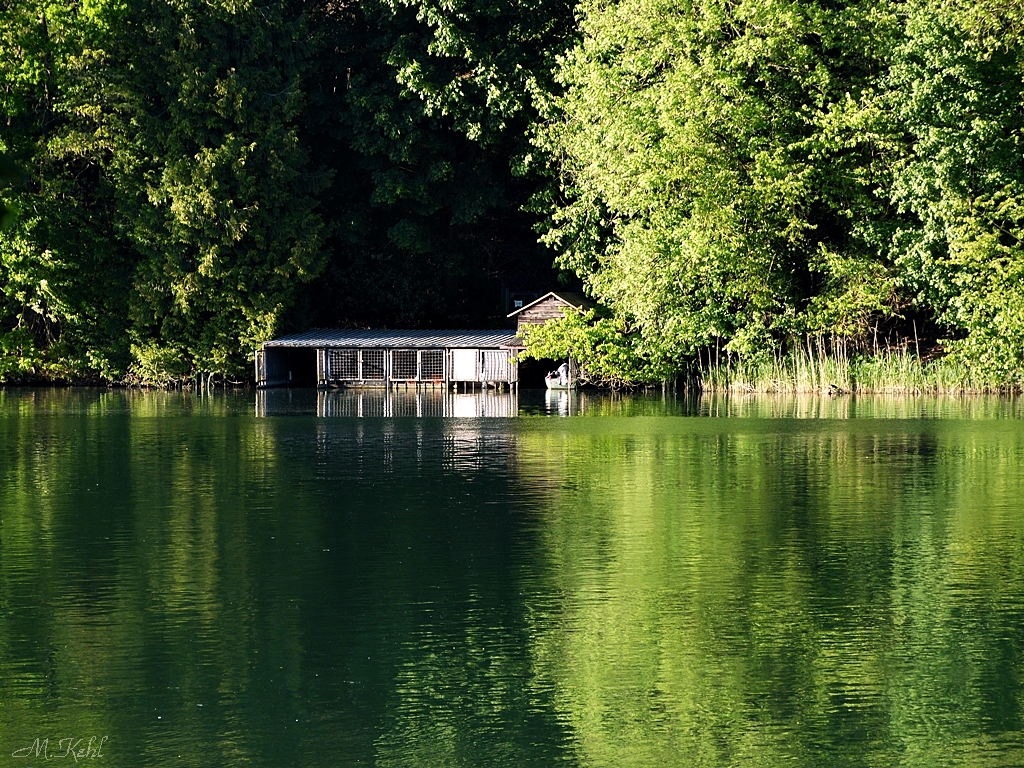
{"type": "Point", "coordinates": [560, 378]}
{"type": "Point", "coordinates": [553, 381]}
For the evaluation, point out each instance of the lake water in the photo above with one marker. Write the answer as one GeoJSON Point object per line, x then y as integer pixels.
{"type": "Point", "coordinates": [510, 580]}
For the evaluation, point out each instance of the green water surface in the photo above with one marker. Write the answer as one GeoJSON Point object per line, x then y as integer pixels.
{"type": "Point", "coordinates": [647, 582]}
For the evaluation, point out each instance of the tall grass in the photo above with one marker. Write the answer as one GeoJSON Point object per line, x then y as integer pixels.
{"type": "Point", "coordinates": [820, 365]}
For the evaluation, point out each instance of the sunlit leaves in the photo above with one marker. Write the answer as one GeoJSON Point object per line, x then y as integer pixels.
{"type": "Point", "coordinates": [741, 172]}
{"type": "Point", "coordinates": [604, 351]}
{"type": "Point", "coordinates": [726, 144]}
{"type": "Point", "coordinates": [958, 87]}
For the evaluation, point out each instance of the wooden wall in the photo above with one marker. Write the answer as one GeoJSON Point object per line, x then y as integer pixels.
{"type": "Point", "coordinates": [541, 312]}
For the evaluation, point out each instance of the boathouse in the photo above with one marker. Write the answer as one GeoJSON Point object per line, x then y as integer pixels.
{"type": "Point", "coordinates": [360, 358]}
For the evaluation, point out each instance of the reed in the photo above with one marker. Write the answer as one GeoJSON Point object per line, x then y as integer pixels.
{"type": "Point", "coordinates": [817, 364]}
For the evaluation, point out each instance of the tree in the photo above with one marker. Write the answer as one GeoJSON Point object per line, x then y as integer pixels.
{"type": "Point", "coordinates": [216, 192]}
{"type": "Point", "coordinates": [10, 175]}
{"type": "Point", "coordinates": [721, 165]}
{"type": "Point", "coordinates": [606, 351]}
{"type": "Point", "coordinates": [957, 86]}
{"type": "Point", "coordinates": [63, 274]}
{"type": "Point", "coordinates": [423, 110]}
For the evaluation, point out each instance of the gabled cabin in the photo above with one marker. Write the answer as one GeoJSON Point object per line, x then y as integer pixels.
{"type": "Point", "coordinates": [359, 358]}
{"type": "Point", "coordinates": [548, 307]}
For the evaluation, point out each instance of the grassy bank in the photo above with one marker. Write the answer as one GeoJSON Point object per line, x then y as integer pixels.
{"type": "Point", "coordinates": [821, 367]}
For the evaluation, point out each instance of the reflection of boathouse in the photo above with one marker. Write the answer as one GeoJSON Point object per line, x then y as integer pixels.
{"type": "Point", "coordinates": [327, 358]}
{"type": "Point", "coordinates": [371, 402]}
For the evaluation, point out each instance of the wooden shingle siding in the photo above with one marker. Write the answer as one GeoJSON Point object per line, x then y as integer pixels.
{"type": "Point", "coordinates": [549, 309]}
{"type": "Point", "coordinates": [551, 306]}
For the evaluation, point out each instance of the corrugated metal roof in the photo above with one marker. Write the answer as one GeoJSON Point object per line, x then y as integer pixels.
{"type": "Point", "coordinates": [331, 337]}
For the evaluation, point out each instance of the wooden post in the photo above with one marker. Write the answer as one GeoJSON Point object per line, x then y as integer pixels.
{"type": "Point", "coordinates": [321, 368]}
{"type": "Point", "coordinates": [261, 367]}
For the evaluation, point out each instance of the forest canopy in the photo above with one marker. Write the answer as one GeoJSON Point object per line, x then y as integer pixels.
{"type": "Point", "coordinates": [741, 176]}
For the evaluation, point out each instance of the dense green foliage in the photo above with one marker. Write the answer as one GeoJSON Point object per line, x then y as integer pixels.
{"type": "Point", "coordinates": [740, 175]}
{"type": "Point", "coordinates": [731, 176]}
{"type": "Point", "coordinates": [10, 175]}
{"type": "Point", "coordinates": [422, 110]}
{"type": "Point", "coordinates": [958, 89]}
{"type": "Point", "coordinates": [208, 173]}
{"type": "Point", "coordinates": [606, 351]}
{"type": "Point", "coordinates": [718, 142]}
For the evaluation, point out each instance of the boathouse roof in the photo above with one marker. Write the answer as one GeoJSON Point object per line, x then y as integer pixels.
{"type": "Point", "coordinates": [333, 337]}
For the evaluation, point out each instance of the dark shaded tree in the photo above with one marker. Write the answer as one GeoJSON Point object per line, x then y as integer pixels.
{"type": "Point", "coordinates": [423, 110]}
